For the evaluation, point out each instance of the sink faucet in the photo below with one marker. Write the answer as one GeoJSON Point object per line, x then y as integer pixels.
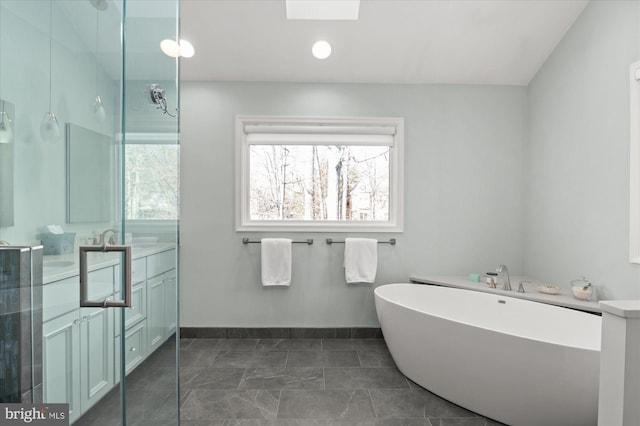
{"type": "Point", "coordinates": [507, 282]}
{"type": "Point", "coordinates": [102, 239]}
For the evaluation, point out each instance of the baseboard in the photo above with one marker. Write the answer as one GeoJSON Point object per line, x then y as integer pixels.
{"type": "Point", "coordinates": [281, 333]}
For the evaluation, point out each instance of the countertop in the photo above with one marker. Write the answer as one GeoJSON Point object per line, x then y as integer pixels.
{"type": "Point", "coordinates": [56, 268]}
{"type": "Point", "coordinates": [622, 308]}
{"type": "Point", "coordinates": [564, 299]}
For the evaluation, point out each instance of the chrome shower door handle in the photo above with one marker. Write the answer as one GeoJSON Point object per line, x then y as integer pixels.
{"type": "Point", "coordinates": [84, 277]}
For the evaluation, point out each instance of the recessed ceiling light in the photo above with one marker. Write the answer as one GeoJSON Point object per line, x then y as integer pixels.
{"type": "Point", "coordinates": [340, 10]}
{"type": "Point", "coordinates": [186, 49]}
{"type": "Point", "coordinates": [173, 49]}
{"type": "Point", "coordinates": [321, 49]}
{"type": "Point", "coordinates": [170, 48]}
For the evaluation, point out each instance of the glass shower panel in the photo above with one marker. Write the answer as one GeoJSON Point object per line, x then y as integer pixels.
{"type": "Point", "coordinates": [150, 207]}
{"type": "Point", "coordinates": [66, 187]}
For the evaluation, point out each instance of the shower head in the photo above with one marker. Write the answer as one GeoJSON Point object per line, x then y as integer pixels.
{"type": "Point", "coordinates": [156, 95]}
{"type": "Point", "coordinates": [100, 4]}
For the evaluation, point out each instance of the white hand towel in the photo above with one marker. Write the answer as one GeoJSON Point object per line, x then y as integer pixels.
{"type": "Point", "coordinates": [276, 261]}
{"type": "Point", "coordinates": [360, 260]}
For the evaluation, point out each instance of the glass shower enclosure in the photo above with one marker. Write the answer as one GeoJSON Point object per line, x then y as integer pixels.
{"type": "Point", "coordinates": [89, 157]}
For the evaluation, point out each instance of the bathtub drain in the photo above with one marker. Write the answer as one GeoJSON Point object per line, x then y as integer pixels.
{"type": "Point", "coordinates": [502, 301]}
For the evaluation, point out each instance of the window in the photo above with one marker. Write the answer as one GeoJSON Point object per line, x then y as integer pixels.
{"type": "Point", "coordinates": [151, 177]}
{"type": "Point", "coordinates": [319, 174]}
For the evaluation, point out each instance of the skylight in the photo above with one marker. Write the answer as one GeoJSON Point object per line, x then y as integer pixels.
{"type": "Point", "coordinates": [341, 10]}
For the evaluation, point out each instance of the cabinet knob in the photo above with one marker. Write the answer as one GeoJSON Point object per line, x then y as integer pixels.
{"type": "Point", "coordinates": [133, 349]}
{"type": "Point", "coordinates": [76, 322]}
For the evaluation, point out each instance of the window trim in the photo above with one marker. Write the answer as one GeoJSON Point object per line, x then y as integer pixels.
{"type": "Point", "coordinates": [396, 174]}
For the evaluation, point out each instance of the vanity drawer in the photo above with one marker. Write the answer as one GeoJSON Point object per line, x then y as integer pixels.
{"type": "Point", "coordinates": [101, 284]}
{"type": "Point", "coordinates": [134, 349]}
{"type": "Point", "coordinates": [139, 270]}
{"type": "Point", "coordinates": [60, 297]}
{"type": "Point", "coordinates": [137, 311]}
{"type": "Point", "coordinates": [63, 296]}
{"type": "Point", "coordinates": [160, 262]}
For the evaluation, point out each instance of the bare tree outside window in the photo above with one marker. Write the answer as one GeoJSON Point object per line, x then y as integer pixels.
{"type": "Point", "coordinates": [319, 182]}
{"type": "Point", "coordinates": [151, 182]}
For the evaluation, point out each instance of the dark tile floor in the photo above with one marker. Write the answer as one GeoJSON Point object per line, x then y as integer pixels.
{"type": "Point", "coordinates": [282, 382]}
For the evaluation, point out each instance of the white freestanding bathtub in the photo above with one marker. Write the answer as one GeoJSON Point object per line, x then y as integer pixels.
{"type": "Point", "coordinates": [516, 361]}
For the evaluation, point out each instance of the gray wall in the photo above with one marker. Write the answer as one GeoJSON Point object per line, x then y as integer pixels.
{"type": "Point", "coordinates": [464, 210]}
{"type": "Point", "coordinates": [577, 214]}
{"type": "Point", "coordinates": [536, 177]}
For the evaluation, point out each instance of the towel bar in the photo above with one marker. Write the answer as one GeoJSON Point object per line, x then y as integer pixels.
{"type": "Point", "coordinates": [307, 241]}
{"type": "Point", "coordinates": [391, 241]}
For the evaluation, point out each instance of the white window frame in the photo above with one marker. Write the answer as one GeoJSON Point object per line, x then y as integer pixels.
{"type": "Point", "coordinates": [634, 151]}
{"type": "Point", "coordinates": [252, 130]}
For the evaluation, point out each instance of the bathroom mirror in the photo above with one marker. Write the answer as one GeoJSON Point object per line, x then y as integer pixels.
{"type": "Point", "coordinates": [7, 143]}
{"type": "Point", "coordinates": [89, 175]}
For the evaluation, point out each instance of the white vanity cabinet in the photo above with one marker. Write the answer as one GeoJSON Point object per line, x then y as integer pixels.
{"type": "Point", "coordinates": [77, 345]}
{"type": "Point", "coordinates": [81, 346]}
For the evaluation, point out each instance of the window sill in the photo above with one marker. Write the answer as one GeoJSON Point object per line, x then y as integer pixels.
{"type": "Point", "coordinates": [151, 226]}
{"type": "Point", "coordinates": [325, 226]}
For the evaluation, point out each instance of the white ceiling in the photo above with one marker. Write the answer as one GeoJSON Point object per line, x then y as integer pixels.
{"type": "Point", "coordinates": [393, 41]}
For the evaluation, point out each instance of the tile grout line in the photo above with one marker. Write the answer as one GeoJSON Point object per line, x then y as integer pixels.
{"type": "Point", "coordinates": [244, 373]}
{"type": "Point", "coordinates": [324, 379]}
{"type": "Point", "coordinates": [278, 407]}
{"type": "Point", "coordinates": [372, 404]}
{"type": "Point", "coordinates": [359, 360]}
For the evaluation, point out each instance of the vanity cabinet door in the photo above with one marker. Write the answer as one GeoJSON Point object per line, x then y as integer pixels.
{"type": "Point", "coordinates": [96, 349]}
{"type": "Point", "coordinates": [155, 312]}
{"type": "Point", "coordinates": [138, 309]}
{"type": "Point", "coordinates": [170, 295]}
{"type": "Point", "coordinates": [61, 362]}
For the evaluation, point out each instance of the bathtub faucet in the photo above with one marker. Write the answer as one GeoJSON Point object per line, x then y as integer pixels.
{"type": "Point", "coordinates": [507, 282]}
